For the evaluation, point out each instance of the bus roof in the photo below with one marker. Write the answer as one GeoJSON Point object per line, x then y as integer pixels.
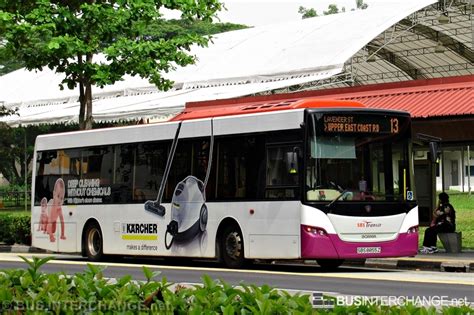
{"type": "Point", "coordinates": [202, 110]}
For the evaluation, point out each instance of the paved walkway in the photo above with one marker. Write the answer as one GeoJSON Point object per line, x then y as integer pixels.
{"type": "Point", "coordinates": [455, 262]}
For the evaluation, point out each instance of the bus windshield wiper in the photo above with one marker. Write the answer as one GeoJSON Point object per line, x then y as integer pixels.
{"type": "Point", "coordinates": [342, 192]}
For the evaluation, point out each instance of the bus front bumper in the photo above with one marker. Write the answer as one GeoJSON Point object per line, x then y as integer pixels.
{"type": "Point", "coordinates": [330, 246]}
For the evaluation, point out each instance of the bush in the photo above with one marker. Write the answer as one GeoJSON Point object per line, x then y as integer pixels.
{"type": "Point", "coordinates": [15, 228]}
{"type": "Point", "coordinates": [30, 291]}
{"type": "Point", "coordinates": [89, 292]}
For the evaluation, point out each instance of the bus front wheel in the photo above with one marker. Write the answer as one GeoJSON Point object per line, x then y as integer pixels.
{"type": "Point", "coordinates": [232, 247]}
{"type": "Point", "coordinates": [329, 264]}
{"type": "Point", "coordinates": [93, 242]}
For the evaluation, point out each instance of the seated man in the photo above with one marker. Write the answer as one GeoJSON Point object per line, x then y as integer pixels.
{"type": "Point", "coordinates": [444, 221]}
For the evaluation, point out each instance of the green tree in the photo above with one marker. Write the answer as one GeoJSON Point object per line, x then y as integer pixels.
{"type": "Point", "coordinates": [12, 154]}
{"type": "Point", "coordinates": [332, 9]}
{"type": "Point", "coordinates": [8, 62]}
{"type": "Point", "coordinates": [361, 5]}
{"type": "Point", "coordinates": [160, 29]}
{"type": "Point", "coordinates": [14, 142]}
{"type": "Point", "coordinates": [307, 13]}
{"type": "Point", "coordinates": [168, 29]}
{"type": "Point", "coordinates": [68, 36]}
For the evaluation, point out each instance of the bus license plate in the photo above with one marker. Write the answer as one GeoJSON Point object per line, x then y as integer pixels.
{"type": "Point", "coordinates": [369, 250]}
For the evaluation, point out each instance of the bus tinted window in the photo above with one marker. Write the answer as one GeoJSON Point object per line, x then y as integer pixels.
{"type": "Point", "coordinates": [97, 162]}
{"type": "Point", "coordinates": [180, 168]}
{"type": "Point", "coordinates": [149, 169]}
{"type": "Point", "coordinates": [96, 171]}
{"type": "Point", "coordinates": [122, 183]}
{"type": "Point", "coordinates": [48, 171]}
{"type": "Point", "coordinates": [240, 165]}
{"type": "Point", "coordinates": [282, 172]}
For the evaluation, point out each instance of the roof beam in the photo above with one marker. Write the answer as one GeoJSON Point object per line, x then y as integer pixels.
{"type": "Point", "coordinates": [401, 63]}
{"type": "Point", "coordinates": [437, 36]}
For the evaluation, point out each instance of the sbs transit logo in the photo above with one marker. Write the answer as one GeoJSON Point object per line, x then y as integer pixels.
{"type": "Point", "coordinates": [368, 224]}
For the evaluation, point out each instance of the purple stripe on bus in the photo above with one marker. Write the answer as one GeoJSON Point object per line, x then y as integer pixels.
{"type": "Point", "coordinates": [331, 246]}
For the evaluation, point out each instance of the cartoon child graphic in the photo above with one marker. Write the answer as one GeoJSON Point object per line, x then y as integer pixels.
{"type": "Point", "coordinates": [55, 210]}
{"type": "Point", "coordinates": [43, 224]}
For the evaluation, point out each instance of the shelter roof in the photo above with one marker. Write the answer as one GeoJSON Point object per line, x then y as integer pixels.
{"type": "Point", "coordinates": [421, 98]}
{"type": "Point", "coordinates": [195, 111]}
{"type": "Point", "coordinates": [423, 101]}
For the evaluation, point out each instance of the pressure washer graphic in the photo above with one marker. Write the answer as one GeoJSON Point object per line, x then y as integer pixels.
{"type": "Point", "coordinates": [155, 206]}
{"type": "Point", "coordinates": [188, 205]}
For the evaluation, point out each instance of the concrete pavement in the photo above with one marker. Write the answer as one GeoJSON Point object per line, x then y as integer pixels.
{"type": "Point", "coordinates": [449, 262]}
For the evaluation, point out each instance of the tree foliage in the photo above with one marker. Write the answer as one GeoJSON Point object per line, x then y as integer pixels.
{"type": "Point", "coordinates": [68, 36]}
{"type": "Point", "coordinates": [332, 9]}
{"type": "Point", "coordinates": [12, 155]}
{"type": "Point", "coordinates": [361, 5]}
{"type": "Point", "coordinates": [13, 145]}
{"type": "Point", "coordinates": [307, 13]}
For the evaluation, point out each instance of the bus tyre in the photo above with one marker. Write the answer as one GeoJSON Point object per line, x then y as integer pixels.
{"type": "Point", "coordinates": [329, 264]}
{"type": "Point", "coordinates": [93, 243]}
{"type": "Point", "coordinates": [232, 247]}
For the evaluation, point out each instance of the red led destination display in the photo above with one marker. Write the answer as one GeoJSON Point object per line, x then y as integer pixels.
{"type": "Point", "coordinates": [334, 123]}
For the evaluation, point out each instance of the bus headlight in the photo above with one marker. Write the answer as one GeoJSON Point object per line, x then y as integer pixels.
{"type": "Point", "coordinates": [315, 230]}
{"type": "Point", "coordinates": [413, 229]}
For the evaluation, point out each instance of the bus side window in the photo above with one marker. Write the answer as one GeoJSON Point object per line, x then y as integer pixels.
{"type": "Point", "coordinates": [43, 174]}
{"type": "Point", "coordinates": [122, 186]}
{"type": "Point", "coordinates": [239, 159]}
{"type": "Point", "coordinates": [149, 169]}
{"type": "Point", "coordinates": [180, 168]}
{"type": "Point", "coordinates": [282, 172]}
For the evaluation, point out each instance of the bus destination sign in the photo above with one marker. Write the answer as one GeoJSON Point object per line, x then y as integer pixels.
{"type": "Point", "coordinates": [360, 124]}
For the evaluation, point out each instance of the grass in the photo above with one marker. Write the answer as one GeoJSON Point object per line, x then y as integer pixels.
{"type": "Point", "coordinates": [463, 203]}
{"type": "Point", "coordinates": [14, 212]}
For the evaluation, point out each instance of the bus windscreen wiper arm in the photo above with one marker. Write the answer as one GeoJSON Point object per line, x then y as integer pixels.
{"type": "Point", "coordinates": [341, 190]}
{"type": "Point", "coordinates": [337, 198]}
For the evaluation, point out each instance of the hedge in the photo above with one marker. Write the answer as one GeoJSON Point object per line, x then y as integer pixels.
{"type": "Point", "coordinates": [15, 228]}
{"type": "Point", "coordinates": [89, 292]}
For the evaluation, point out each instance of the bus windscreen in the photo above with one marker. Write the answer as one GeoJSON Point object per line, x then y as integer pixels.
{"type": "Point", "coordinates": [364, 157]}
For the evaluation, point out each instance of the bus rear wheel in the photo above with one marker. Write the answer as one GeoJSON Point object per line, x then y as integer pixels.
{"type": "Point", "coordinates": [329, 264]}
{"type": "Point", "coordinates": [93, 243]}
{"type": "Point", "coordinates": [232, 247]}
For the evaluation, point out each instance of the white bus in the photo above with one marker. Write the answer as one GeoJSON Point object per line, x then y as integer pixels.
{"type": "Point", "coordinates": [296, 179]}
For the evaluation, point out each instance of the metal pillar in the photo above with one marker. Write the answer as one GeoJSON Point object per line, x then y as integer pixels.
{"type": "Point", "coordinates": [442, 171]}
{"type": "Point", "coordinates": [469, 169]}
{"type": "Point", "coordinates": [462, 168]}
{"type": "Point", "coordinates": [26, 176]}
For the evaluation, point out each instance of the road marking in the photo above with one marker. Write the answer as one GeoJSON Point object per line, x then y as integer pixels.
{"type": "Point", "coordinates": [419, 277]}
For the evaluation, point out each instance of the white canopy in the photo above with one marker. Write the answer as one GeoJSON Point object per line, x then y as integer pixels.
{"type": "Point", "coordinates": [235, 64]}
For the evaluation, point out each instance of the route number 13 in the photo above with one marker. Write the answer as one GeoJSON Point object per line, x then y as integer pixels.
{"type": "Point", "coordinates": [394, 128]}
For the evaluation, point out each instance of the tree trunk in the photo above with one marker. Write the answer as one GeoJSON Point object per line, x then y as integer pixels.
{"type": "Point", "coordinates": [82, 106]}
{"type": "Point", "coordinates": [88, 105]}
{"type": "Point", "coordinates": [15, 176]}
{"type": "Point", "coordinates": [88, 99]}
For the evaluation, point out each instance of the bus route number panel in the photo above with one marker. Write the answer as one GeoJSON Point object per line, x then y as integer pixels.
{"type": "Point", "coordinates": [357, 124]}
